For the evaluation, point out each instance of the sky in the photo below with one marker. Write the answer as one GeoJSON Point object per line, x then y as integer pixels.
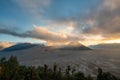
{"type": "Point", "coordinates": [57, 22]}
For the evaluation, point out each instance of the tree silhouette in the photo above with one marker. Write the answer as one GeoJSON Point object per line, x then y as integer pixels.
{"type": "Point", "coordinates": [11, 70]}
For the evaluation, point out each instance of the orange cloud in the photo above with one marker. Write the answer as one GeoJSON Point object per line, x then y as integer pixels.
{"type": "Point", "coordinates": [5, 44]}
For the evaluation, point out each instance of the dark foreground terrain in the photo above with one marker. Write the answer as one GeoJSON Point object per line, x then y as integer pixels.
{"type": "Point", "coordinates": [86, 61]}
{"type": "Point", "coordinates": [11, 70]}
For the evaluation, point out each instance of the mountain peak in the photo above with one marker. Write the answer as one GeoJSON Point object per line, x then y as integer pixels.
{"type": "Point", "coordinates": [75, 45]}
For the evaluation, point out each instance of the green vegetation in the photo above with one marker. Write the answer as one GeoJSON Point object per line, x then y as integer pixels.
{"type": "Point", "coordinates": [11, 70]}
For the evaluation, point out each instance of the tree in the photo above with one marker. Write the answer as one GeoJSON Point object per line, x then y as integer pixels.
{"type": "Point", "coordinates": [11, 70]}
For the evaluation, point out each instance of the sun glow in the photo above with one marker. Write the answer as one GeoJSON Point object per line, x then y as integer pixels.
{"type": "Point", "coordinates": [113, 41]}
{"type": "Point", "coordinates": [50, 43]}
{"type": "Point", "coordinates": [63, 35]}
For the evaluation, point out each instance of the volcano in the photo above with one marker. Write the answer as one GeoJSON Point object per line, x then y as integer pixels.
{"type": "Point", "coordinates": [20, 46]}
{"type": "Point", "coordinates": [74, 45]}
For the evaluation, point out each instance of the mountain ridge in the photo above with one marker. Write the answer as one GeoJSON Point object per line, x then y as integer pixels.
{"type": "Point", "coordinates": [20, 46]}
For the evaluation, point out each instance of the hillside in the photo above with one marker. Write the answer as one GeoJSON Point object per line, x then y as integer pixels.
{"type": "Point", "coordinates": [20, 46]}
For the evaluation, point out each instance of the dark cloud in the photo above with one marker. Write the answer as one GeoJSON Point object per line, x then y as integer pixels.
{"type": "Point", "coordinates": [41, 33]}
{"type": "Point", "coordinates": [106, 21]}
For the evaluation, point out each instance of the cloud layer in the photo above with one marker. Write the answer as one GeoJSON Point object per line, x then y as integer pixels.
{"type": "Point", "coordinates": [70, 20]}
{"type": "Point", "coordinates": [41, 33]}
{"type": "Point", "coordinates": [106, 20]}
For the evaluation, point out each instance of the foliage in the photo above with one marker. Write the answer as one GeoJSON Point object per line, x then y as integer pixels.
{"type": "Point", "coordinates": [11, 70]}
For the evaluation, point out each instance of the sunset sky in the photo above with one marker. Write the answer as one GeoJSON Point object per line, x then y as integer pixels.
{"type": "Point", "coordinates": [59, 21]}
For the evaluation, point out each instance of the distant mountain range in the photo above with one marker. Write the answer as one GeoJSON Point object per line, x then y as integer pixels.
{"type": "Point", "coordinates": [106, 46]}
{"type": "Point", "coordinates": [69, 46]}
